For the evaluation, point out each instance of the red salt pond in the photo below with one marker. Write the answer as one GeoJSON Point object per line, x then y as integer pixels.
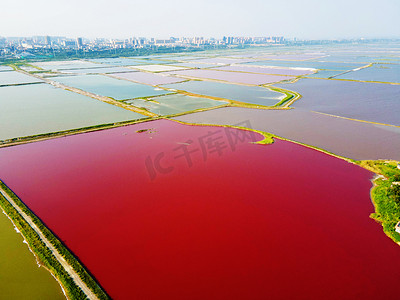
{"type": "Point", "coordinates": [231, 220]}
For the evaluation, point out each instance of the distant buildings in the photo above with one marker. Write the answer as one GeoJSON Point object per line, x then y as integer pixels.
{"type": "Point", "coordinates": [50, 46]}
{"type": "Point", "coordinates": [68, 43]}
{"type": "Point", "coordinates": [79, 42]}
{"type": "Point", "coordinates": [230, 40]}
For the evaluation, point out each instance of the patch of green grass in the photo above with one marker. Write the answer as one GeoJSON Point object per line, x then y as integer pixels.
{"type": "Point", "coordinates": [385, 195]}
{"type": "Point", "coordinates": [289, 95]}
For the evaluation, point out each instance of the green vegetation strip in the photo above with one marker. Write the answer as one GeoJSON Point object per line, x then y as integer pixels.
{"type": "Point", "coordinates": [268, 137]}
{"type": "Point", "coordinates": [385, 194]}
{"type": "Point", "coordinates": [17, 84]}
{"type": "Point", "coordinates": [257, 106]}
{"type": "Point", "coordinates": [290, 96]}
{"type": "Point", "coordinates": [17, 66]}
{"type": "Point", "coordinates": [44, 254]}
{"type": "Point", "coordinates": [195, 110]}
{"type": "Point", "coordinates": [235, 103]}
{"type": "Point", "coordinates": [354, 80]}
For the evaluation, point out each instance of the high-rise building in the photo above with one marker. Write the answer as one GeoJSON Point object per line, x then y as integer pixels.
{"type": "Point", "coordinates": [79, 43]}
{"type": "Point", "coordinates": [68, 43]}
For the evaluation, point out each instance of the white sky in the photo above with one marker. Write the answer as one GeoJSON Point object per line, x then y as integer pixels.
{"type": "Point", "coordinates": [310, 19]}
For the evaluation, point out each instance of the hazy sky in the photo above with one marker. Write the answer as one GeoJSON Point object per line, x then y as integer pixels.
{"type": "Point", "coordinates": [311, 19]}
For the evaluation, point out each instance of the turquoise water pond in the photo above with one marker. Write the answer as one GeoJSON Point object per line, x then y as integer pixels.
{"type": "Point", "coordinates": [111, 87]}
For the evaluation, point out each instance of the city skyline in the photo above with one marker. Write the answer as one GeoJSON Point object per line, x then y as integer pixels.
{"type": "Point", "coordinates": [50, 46]}
{"type": "Point", "coordinates": [58, 46]}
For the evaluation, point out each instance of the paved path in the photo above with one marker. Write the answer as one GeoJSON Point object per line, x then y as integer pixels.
{"type": "Point", "coordinates": [78, 281]}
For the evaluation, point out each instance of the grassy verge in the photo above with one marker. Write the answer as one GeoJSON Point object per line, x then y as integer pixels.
{"type": "Point", "coordinates": [232, 103]}
{"type": "Point", "coordinates": [251, 105]}
{"type": "Point", "coordinates": [268, 137]}
{"type": "Point", "coordinates": [385, 195]}
{"type": "Point", "coordinates": [290, 96]}
{"type": "Point", "coordinates": [44, 254]}
{"type": "Point", "coordinates": [17, 65]}
{"type": "Point", "coordinates": [194, 111]}
{"type": "Point", "coordinates": [18, 84]}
